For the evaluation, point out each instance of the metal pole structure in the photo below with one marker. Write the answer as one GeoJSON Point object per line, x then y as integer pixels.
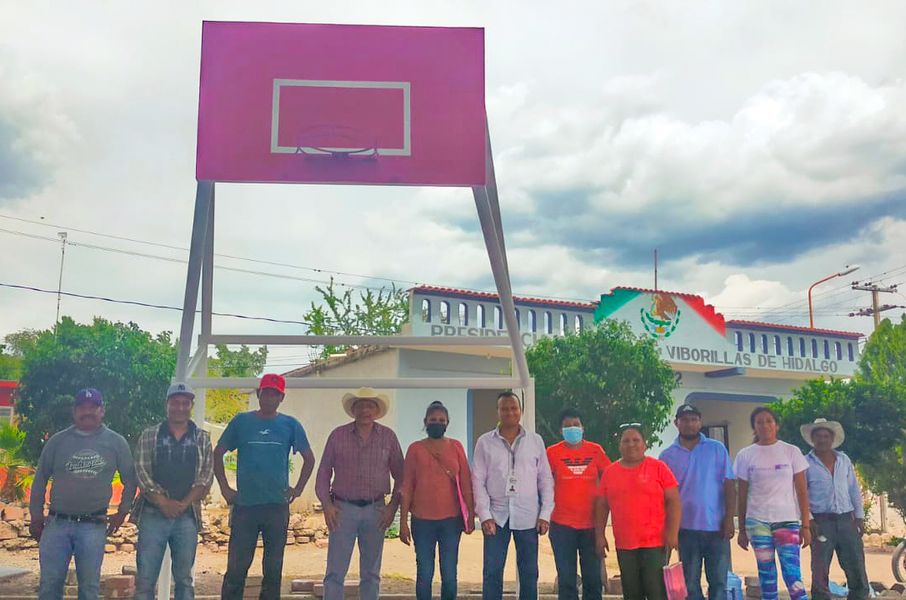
{"type": "Point", "coordinates": [63, 236]}
{"type": "Point", "coordinates": [501, 278]}
{"type": "Point", "coordinates": [203, 195]}
{"type": "Point", "coordinates": [811, 318]}
{"type": "Point", "coordinates": [202, 231]}
{"type": "Point", "coordinates": [207, 309]}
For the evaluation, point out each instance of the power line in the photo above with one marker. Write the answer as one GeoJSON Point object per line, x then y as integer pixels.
{"type": "Point", "coordinates": [148, 304]}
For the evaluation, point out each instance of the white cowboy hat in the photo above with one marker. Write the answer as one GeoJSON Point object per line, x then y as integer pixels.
{"type": "Point", "coordinates": [835, 427]}
{"type": "Point", "coordinates": [366, 393]}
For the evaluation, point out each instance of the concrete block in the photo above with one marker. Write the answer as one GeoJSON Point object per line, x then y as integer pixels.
{"type": "Point", "coordinates": [306, 586]}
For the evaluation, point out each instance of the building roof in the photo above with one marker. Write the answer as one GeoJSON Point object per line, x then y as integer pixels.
{"type": "Point", "coordinates": [793, 328]}
{"type": "Point", "coordinates": [335, 360]}
{"type": "Point", "coordinates": [448, 291]}
{"type": "Point", "coordinates": [9, 384]}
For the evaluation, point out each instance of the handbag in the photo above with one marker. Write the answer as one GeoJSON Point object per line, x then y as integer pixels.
{"type": "Point", "coordinates": [468, 525]}
{"type": "Point", "coordinates": [675, 582]}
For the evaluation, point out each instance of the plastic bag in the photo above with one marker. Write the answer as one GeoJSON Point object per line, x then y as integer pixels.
{"type": "Point", "coordinates": [734, 586]}
{"type": "Point", "coordinates": [675, 582]}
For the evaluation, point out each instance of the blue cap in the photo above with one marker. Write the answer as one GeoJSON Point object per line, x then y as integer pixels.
{"type": "Point", "coordinates": [89, 396]}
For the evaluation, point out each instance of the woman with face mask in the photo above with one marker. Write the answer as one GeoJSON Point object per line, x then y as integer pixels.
{"type": "Point", "coordinates": [437, 490]}
{"type": "Point", "coordinates": [576, 465]}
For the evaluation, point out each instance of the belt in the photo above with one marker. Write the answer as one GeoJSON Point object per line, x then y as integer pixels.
{"type": "Point", "coordinates": [98, 517]}
{"type": "Point", "coordinates": [359, 502]}
{"type": "Point", "coordinates": [847, 516]}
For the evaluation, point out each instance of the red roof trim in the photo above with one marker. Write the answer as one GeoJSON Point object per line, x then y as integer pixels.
{"type": "Point", "coordinates": [9, 384]}
{"type": "Point", "coordinates": [433, 289]}
{"type": "Point", "coordinates": [763, 325]}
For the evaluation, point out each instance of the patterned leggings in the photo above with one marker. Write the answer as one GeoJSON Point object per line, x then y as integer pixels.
{"type": "Point", "coordinates": [784, 537]}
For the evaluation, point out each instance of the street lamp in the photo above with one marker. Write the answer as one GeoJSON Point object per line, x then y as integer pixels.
{"type": "Point", "coordinates": [846, 271]}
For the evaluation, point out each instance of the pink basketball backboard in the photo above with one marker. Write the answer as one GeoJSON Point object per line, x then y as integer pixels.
{"type": "Point", "coordinates": [289, 102]}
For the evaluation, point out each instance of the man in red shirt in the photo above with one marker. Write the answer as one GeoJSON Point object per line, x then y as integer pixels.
{"type": "Point", "coordinates": [576, 465]}
{"type": "Point", "coordinates": [643, 496]}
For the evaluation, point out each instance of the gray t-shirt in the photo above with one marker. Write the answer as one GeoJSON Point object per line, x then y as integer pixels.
{"type": "Point", "coordinates": [82, 466]}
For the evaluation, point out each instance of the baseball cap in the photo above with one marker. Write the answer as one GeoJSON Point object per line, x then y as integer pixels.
{"type": "Point", "coordinates": [88, 396]}
{"type": "Point", "coordinates": [273, 381]}
{"type": "Point", "coordinates": [180, 388]}
{"type": "Point", "coordinates": [687, 409]}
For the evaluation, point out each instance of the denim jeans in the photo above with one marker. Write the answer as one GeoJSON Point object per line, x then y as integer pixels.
{"type": "Point", "coordinates": [444, 535]}
{"type": "Point", "coordinates": [568, 542]}
{"type": "Point", "coordinates": [711, 547]}
{"type": "Point", "coordinates": [360, 523]}
{"type": "Point", "coordinates": [838, 533]}
{"type": "Point", "coordinates": [61, 541]}
{"type": "Point", "coordinates": [155, 532]}
{"type": "Point", "coordinates": [495, 551]}
{"type": "Point", "coordinates": [271, 521]}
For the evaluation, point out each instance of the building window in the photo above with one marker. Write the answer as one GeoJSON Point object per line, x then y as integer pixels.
{"type": "Point", "coordinates": [814, 348]}
{"type": "Point", "coordinates": [789, 346]}
{"type": "Point", "coordinates": [826, 349]}
{"type": "Point", "coordinates": [532, 321]}
{"type": "Point", "coordinates": [802, 347]}
{"type": "Point", "coordinates": [579, 324]}
{"type": "Point", "coordinates": [6, 414]}
{"type": "Point", "coordinates": [721, 433]}
{"type": "Point", "coordinates": [548, 322]}
{"type": "Point", "coordinates": [498, 317]}
{"type": "Point", "coordinates": [426, 311]}
{"type": "Point", "coordinates": [778, 346]}
{"type": "Point", "coordinates": [764, 343]}
{"type": "Point", "coordinates": [445, 312]}
{"type": "Point", "coordinates": [751, 342]}
{"type": "Point", "coordinates": [738, 337]}
{"type": "Point", "coordinates": [564, 323]}
{"type": "Point", "coordinates": [852, 354]}
{"type": "Point", "coordinates": [479, 315]}
{"type": "Point", "coordinates": [463, 313]}
{"type": "Point", "coordinates": [838, 350]}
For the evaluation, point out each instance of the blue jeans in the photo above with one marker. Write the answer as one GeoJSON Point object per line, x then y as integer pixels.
{"type": "Point", "coordinates": [495, 551]}
{"type": "Point", "coordinates": [568, 542]}
{"type": "Point", "coordinates": [360, 523]}
{"type": "Point", "coordinates": [155, 532]}
{"type": "Point", "coordinates": [61, 541]}
{"type": "Point", "coordinates": [710, 546]}
{"type": "Point", "coordinates": [427, 535]}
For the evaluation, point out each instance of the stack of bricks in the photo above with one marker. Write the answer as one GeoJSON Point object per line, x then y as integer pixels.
{"type": "Point", "coordinates": [252, 587]}
{"type": "Point", "coordinates": [118, 586]}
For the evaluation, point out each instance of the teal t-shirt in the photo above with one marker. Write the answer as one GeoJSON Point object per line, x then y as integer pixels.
{"type": "Point", "coordinates": [262, 464]}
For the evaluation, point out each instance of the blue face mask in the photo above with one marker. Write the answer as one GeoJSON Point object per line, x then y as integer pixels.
{"type": "Point", "coordinates": [572, 435]}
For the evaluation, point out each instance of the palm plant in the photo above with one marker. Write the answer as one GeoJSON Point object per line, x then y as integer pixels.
{"type": "Point", "coordinates": [19, 473]}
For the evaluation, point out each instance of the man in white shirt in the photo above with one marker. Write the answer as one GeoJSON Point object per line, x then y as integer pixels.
{"type": "Point", "coordinates": [514, 497]}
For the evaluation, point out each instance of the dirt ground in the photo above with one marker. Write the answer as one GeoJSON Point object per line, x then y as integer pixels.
{"type": "Point", "coordinates": [307, 562]}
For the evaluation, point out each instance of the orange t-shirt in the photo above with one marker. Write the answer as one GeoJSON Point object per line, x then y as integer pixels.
{"type": "Point", "coordinates": [576, 474]}
{"type": "Point", "coordinates": [431, 490]}
{"type": "Point", "coordinates": [636, 499]}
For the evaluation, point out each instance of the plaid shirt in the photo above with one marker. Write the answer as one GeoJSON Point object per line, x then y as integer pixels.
{"type": "Point", "coordinates": [144, 468]}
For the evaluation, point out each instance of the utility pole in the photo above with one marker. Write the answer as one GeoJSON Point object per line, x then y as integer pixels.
{"type": "Point", "coordinates": [875, 312]}
{"type": "Point", "coordinates": [62, 235]}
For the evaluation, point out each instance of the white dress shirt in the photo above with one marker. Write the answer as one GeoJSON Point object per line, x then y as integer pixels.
{"type": "Point", "coordinates": [495, 462]}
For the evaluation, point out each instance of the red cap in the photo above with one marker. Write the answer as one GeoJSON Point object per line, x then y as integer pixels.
{"type": "Point", "coordinates": [273, 381]}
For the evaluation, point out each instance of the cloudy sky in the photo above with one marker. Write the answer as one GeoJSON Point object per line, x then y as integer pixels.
{"type": "Point", "coordinates": [759, 146]}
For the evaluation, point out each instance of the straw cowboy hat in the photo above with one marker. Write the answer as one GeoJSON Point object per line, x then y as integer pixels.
{"type": "Point", "coordinates": [833, 426]}
{"type": "Point", "coordinates": [366, 393]}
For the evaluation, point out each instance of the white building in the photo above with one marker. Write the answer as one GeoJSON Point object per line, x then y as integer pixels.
{"type": "Point", "coordinates": [726, 368]}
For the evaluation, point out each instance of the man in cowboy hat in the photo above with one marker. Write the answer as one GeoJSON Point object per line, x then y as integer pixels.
{"type": "Point", "coordinates": [835, 500]}
{"type": "Point", "coordinates": [353, 479]}
{"type": "Point", "coordinates": [264, 439]}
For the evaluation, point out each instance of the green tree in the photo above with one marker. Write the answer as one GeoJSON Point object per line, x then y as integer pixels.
{"type": "Point", "coordinates": [882, 370]}
{"type": "Point", "coordinates": [223, 405]}
{"type": "Point", "coordinates": [374, 313]}
{"type": "Point", "coordinates": [607, 372]}
{"type": "Point", "coordinates": [131, 367]}
{"type": "Point", "coordinates": [872, 419]}
{"type": "Point", "coordinates": [11, 352]}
